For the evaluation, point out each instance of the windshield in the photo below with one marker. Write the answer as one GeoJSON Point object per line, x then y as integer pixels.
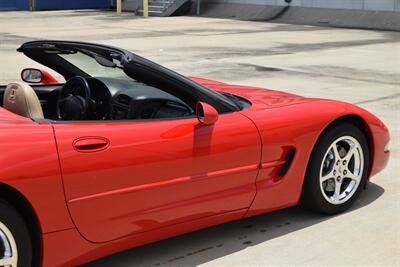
{"type": "Point", "coordinates": [90, 66]}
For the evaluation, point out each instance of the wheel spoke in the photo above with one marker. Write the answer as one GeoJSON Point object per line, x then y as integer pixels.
{"type": "Point", "coordinates": [8, 262]}
{"type": "Point", "coordinates": [336, 151]}
{"type": "Point", "coordinates": [351, 175]}
{"type": "Point", "coordinates": [350, 153]}
{"type": "Point", "coordinates": [9, 257]}
{"type": "Point", "coordinates": [327, 176]}
{"type": "Point", "coordinates": [336, 194]}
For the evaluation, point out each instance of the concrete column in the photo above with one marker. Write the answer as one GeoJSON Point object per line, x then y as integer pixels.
{"type": "Point", "coordinates": [32, 5]}
{"type": "Point", "coordinates": [198, 7]}
{"type": "Point", "coordinates": [397, 6]}
{"type": "Point", "coordinates": [379, 5]}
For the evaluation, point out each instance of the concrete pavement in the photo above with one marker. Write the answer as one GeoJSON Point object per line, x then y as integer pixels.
{"type": "Point", "coordinates": [361, 67]}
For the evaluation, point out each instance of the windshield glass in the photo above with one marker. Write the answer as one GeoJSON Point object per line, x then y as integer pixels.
{"type": "Point", "coordinates": [90, 66]}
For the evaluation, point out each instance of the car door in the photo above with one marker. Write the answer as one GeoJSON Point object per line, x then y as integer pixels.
{"type": "Point", "coordinates": [127, 177]}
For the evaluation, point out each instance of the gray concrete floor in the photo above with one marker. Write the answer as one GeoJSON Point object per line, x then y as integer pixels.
{"type": "Point", "coordinates": [361, 67]}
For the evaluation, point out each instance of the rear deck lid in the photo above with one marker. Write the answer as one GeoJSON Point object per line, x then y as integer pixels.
{"type": "Point", "coordinates": [6, 115]}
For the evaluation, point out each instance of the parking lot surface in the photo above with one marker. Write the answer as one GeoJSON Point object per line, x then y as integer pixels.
{"type": "Point", "coordinates": [357, 66]}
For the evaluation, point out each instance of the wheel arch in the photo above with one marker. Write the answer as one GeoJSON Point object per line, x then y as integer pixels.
{"type": "Point", "coordinates": [362, 125]}
{"type": "Point", "coordinates": [306, 191]}
{"type": "Point", "coordinates": [17, 200]}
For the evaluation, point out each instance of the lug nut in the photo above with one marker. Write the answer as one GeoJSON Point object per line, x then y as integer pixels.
{"type": "Point", "coordinates": [334, 172]}
{"type": "Point", "coordinates": [344, 162]}
{"type": "Point", "coordinates": [338, 162]}
{"type": "Point", "coordinates": [345, 172]}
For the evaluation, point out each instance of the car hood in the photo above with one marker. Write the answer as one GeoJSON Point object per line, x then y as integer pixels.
{"type": "Point", "coordinates": [260, 98]}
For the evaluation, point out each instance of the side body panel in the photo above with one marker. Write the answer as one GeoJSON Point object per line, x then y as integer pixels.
{"type": "Point", "coordinates": [77, 250]}
{"type": "Point", "coordinates": [157, 173]}
{"type": "Point", "coordinates": [29, 164]}
{"type": "Point", "coordinates": [286, 121]}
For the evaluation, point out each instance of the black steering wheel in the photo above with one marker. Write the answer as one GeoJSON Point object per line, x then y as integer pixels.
{"type": "Point", "coordinates": [74, 99]}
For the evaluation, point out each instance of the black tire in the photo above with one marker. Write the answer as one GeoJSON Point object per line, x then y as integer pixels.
{"type": "Point", "coordinates": [312, 196]}
{"type": "Point", "coordinates": [15, 223]}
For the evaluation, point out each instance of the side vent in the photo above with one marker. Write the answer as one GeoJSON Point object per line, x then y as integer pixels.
{"type": "Point", "coordinates": [124, 100]}
{"type": "Point", "coordinates": [288, 161]}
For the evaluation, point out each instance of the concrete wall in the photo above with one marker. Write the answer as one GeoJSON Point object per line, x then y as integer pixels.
{"type": "Point", "coordinates": [365, 14]}
{"type": "Point", "coordinates": [130, 5]}
{"type": "Point", "coordinates": [367, 5]}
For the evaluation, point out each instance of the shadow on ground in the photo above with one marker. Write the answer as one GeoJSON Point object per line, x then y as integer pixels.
{"type": "Point", "coordinates": [206, 245]}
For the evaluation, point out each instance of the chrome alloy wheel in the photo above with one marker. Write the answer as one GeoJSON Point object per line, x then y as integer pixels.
{"type": "Point", "coordinates": [341, 170]}
{"type": "Point", "coordinates": [8, 248]}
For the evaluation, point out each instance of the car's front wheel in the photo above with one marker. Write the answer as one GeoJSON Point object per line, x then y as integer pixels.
{"type": "Point", "coordinates": [15, 241]}
{"type": "Point", "coordinates": [337, 171]}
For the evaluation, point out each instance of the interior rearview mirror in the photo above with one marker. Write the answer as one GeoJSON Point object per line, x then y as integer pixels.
{"type": "Point", "coordinates": [206, 114]}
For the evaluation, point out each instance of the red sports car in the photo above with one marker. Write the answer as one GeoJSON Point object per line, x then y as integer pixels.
{"type": "Point", "coordinates": [127, 152]}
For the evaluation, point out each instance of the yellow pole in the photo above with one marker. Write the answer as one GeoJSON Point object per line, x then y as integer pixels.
{"type": "Point", "coordinates": [119, 7]}
{"type": "Point", "coordinates": [145, 8]}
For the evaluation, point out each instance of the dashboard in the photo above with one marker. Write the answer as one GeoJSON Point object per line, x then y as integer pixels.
{"type": "Point", "coordinates": [115, 99]}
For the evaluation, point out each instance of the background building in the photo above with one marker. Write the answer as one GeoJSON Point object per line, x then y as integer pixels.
{"type": "Point", "coordinates": [370, 14]}
{"type": "Point", "coordinates": [367, 5]}
{"type": "Point", "coordinates": [53, 4]}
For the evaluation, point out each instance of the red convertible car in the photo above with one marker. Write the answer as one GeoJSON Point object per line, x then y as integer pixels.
{"type": "Point", "coordinates": [127, 152]}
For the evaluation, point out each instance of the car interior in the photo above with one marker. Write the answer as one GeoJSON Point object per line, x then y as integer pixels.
{"type": "Point", "coordinates": [92, 99]}
{"type": "Point", "coordinates": [143, 90]}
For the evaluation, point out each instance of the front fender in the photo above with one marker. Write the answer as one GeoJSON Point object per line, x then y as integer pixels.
{"type": "Point", "coordinates": [297, 126]}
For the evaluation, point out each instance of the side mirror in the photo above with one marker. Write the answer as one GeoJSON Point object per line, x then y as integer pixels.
{"type": "Point", "coordinates": [206, 114]}
{"type": "Point", "coordinates": [31, 75]}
